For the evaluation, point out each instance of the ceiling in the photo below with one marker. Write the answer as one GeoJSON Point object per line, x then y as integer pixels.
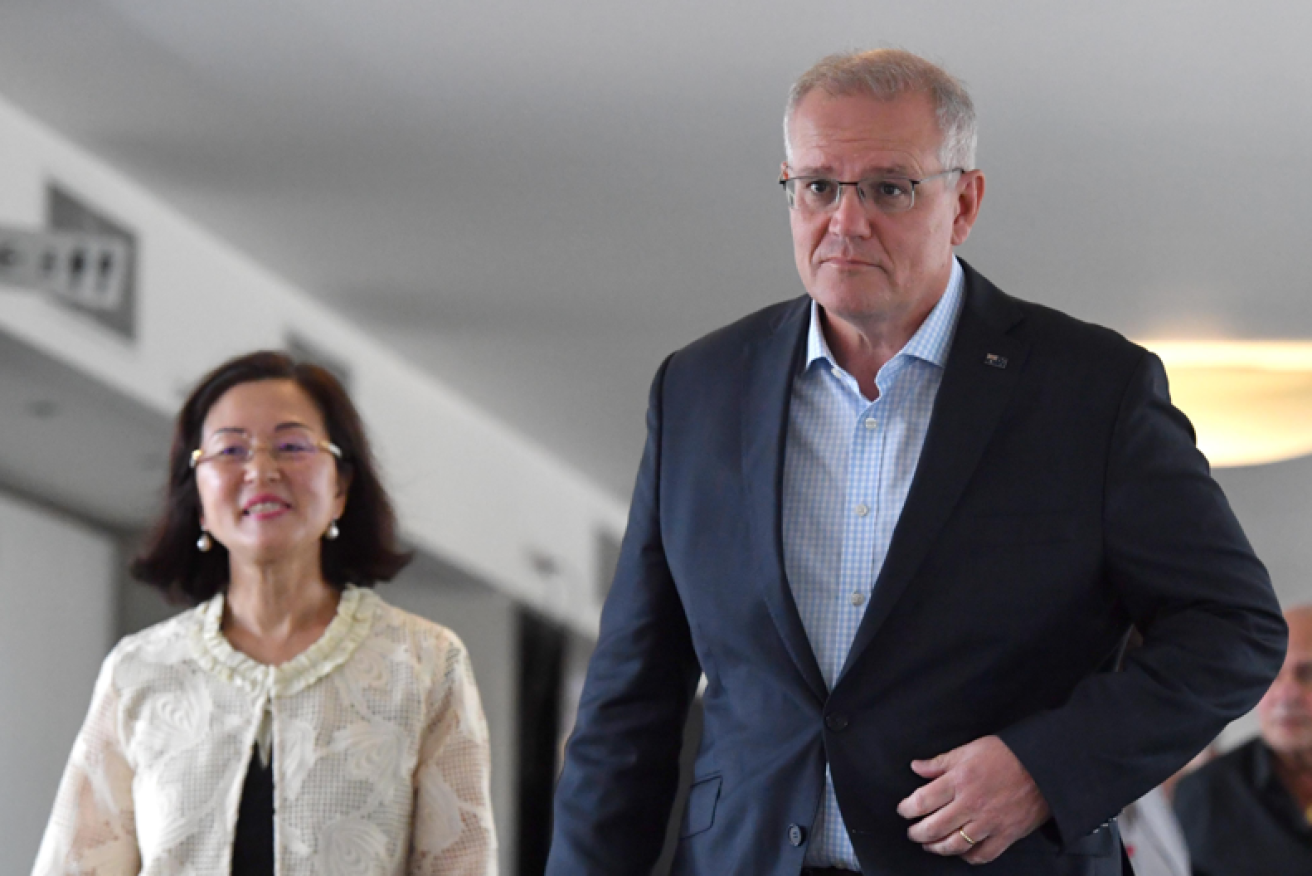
{"type": "Point", "coordinates": [536, 200]}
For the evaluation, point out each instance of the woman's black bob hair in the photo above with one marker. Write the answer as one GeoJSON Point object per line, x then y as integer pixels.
{"type": "Point", "coordinates": [365, 552]}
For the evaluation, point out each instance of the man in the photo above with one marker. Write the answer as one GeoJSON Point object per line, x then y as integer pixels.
{"type": "Point", "coordinates": [902, 526]}
{"type": "Point", "coordinates": [1250, 811]}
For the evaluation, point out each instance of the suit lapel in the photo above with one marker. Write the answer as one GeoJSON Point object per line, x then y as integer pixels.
{"type": "Point", "coordinates": [770, 367]}
{"type": "Point", "coordinates": [978, 380]}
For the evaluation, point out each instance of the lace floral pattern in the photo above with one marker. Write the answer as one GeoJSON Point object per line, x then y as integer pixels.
{"type": "Point", "coordinates": [381, 758]}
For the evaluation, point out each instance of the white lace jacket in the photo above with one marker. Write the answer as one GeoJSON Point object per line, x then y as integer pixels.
{"type": "Point", "coordinates": [380, 753]}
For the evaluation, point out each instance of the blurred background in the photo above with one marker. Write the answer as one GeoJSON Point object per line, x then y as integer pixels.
{"type": "Point", "coordinates": [493, 219]}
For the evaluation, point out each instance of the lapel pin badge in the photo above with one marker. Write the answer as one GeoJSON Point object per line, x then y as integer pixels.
{"type": "Point", "coordinates": [993, 360]}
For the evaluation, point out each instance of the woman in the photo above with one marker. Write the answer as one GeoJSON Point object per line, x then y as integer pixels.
{"type": "Point", "coordinates": [291, 715]}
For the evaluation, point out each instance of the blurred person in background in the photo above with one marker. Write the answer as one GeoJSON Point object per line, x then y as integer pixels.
{"type": "Point", "coordinates": [291, 721]}
{"type": "Point", "coordinates": [1249, 812]}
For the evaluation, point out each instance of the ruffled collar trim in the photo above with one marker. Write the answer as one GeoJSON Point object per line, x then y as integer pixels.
{"type": "Point", "coordinates": [350, 626]}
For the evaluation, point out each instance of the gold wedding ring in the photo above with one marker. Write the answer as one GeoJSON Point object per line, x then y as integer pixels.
{"type": "Point", "coordinates": [962, 831]}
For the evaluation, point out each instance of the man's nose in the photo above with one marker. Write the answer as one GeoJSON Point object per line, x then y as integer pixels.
{"type": "Point", "coordinates": [849, 218]}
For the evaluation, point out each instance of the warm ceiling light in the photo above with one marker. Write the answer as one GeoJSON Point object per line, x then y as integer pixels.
{"type": "Point", "coordinates": [1250, 401]}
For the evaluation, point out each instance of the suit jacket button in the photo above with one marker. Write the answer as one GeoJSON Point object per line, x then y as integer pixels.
{"type": "Point", "coordinates": [836, 722]}
{"type": "Point", "coordinates": [796, 834]}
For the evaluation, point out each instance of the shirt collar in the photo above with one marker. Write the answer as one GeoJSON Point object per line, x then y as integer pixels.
{"type": "Point", "coordinates": [931, 341]}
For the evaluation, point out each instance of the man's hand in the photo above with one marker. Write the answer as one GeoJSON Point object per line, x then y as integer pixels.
{"type": "Point", "coordinates": [979, 790]}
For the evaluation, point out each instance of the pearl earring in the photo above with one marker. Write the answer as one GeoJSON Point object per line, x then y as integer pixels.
{"type": "Point", "coordinates": [332, 532]}
{"type": "Point", "coordinates": [204, 543]}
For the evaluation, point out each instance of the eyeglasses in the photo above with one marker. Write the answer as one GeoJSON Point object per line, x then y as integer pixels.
{"type": "Point", "coordinates": [887, 194]}
{"type": "Point", "coordinates": [233, 449]}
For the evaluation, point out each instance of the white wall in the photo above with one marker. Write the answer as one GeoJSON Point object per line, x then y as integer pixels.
{"type": "Point", "coordinates": [57, 589]}
{"type": "Point", "coordinates": [1271, 502]}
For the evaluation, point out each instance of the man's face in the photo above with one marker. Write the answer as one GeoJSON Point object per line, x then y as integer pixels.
{"type": "Point", "coordinates": [861, 265]}
{"type": "Point", "coordinates": [1285, 713]}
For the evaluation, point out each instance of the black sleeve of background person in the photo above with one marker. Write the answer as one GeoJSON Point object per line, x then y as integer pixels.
{"type": "Point", "coordinates": [1193, 809]}
{"type": "Point", "coordinates": [1235, 828]}
{"type": "Point", "coordinates": [1213, 634]}
{"type": "Point", "coordinates": [621, 765]}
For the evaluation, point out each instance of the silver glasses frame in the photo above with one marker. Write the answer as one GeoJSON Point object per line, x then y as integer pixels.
{"type": "Point", "coordinates": [913, 184]}
{"type": "Point", "coordinates": [198, 455]}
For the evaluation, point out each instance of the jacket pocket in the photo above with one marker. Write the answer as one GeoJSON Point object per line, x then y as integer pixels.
{"type": "Point", "coordinates": [699, 814]}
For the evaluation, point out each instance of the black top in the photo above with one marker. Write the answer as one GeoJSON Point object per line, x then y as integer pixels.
{"type": "Point", "coordinates": [1240, 819]}
{"type": "Point", "coordinates": [252, 847]}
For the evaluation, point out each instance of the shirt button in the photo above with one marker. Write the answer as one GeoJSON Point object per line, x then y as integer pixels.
{"type": "Point", "coordinates": [871, 422]}
{"type": "Point", "coordinates": [858, 598]}
{"type": "Point", "coordinates": [796, 834]}
{"type": "Point", "coordinates": [862, 510]}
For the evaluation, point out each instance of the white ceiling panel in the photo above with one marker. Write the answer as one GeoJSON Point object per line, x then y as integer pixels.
{"type": "Point", "coordinates": [538, 200]}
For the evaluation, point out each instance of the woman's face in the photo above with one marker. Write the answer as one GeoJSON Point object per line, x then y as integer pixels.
{"type": "Point", "coordinates": [276, 505]}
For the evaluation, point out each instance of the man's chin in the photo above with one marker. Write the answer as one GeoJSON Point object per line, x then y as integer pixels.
{"type": "Point", "coordinates": [851, 299]}
{"type": "Point", "coordinates": [1290, 741]}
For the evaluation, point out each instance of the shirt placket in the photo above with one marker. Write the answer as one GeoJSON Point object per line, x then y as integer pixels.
{"type": "Point", "coordinates": [859, 522]}
{"type": "Point", "coordinates": [852, 593]}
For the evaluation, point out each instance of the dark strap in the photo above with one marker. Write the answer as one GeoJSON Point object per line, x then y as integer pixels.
{"type": "Point", "coordinates": [252, 847]}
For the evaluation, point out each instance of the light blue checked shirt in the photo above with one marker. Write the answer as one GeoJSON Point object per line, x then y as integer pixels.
{"type": "Point", "coordinates": [848, 466]}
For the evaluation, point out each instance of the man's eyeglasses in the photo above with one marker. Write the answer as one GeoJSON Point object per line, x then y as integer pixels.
{"type": "Point", "coordinates": [233, 449]}
{"type": "Point", "coordinates": [887, 194]}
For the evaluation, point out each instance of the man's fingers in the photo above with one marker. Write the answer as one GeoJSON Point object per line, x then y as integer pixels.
{"type": "Point", "coordinates": [985, 851]}
{"type": "Point", "coordinates": [932, 768]}
{"type": "Point", "coordinates": [955, 844]}
{"type": "Point", "coordinates": [984, 791]}
{"type": "Point", "coordinates": [940, 826]}
{"type": "Point", "coordinates": [926, 799]}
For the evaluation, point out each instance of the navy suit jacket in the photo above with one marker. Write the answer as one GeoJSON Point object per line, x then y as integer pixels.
{"type": "Point", "coordinates": [1059, 498]}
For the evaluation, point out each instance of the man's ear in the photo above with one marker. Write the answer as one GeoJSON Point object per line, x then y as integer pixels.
{"type": "Point", "coordinates": [970, 194]}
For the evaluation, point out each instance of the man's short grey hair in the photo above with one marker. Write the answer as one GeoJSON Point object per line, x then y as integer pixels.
{"type": "Point", "coordinates": [886, 74]}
